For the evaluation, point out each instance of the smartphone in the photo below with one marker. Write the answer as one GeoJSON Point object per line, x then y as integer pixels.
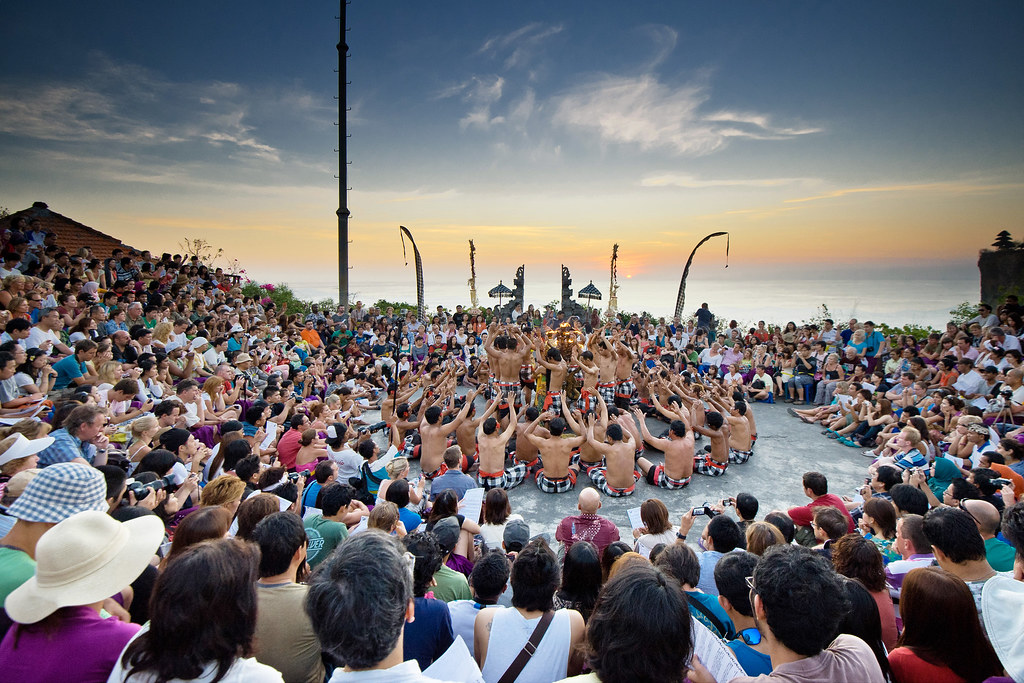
{"type": "Point", "coordinates": [1002, 482]}
{"type": "Point", "coordinates": [727, 502]}
{"type": "Point", "coordinates": [702, 510]}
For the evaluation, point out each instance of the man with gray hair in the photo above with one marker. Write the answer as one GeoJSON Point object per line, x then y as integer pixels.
{"type": "Point", "coordinates": [359, 621]}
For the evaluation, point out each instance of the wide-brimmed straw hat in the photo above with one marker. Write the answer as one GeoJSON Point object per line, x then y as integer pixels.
{"type": "Point", "coordinates": [86, 558]}
{"type": "Point", "coordinates": [1002, 609]}
{"type": "Point", "coordinates": [23, 447]}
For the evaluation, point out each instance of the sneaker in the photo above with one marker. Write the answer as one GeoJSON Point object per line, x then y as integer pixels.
{"type": "Point", "coordinates": [870, 453]}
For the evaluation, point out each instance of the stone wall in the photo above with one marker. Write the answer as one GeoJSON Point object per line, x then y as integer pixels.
{"type": "Point", "coordinates": [1002, 273]}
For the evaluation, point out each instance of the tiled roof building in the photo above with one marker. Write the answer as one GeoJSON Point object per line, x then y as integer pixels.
{"type": "Point", "coordinates": [70, 233]}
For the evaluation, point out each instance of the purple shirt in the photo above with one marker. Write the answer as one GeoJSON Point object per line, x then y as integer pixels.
{"type": "Point", "coordinates": [83, 648]}
{"type": "Point", "coordinates": [897, 570]}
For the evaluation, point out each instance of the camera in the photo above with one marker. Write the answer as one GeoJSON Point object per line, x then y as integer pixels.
{"type": "Point", "coordinates": [294, 476]}
{"type": "Point", "coordinates": [140, 490]}
{"type": "Point", "coordinates": [727, 502]}
{"type": "Point", "coordinates": [704, 510]}
{"type": "Point", "coordinates": [1000, 482]}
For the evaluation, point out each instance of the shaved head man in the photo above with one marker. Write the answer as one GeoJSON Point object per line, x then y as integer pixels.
{"type": "Point", "coordinates": [588, 525]}
{"type": "Point", "coordinates": [999, 554]}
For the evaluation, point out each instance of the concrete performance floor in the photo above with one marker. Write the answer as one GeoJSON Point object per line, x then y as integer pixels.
{"type": "Point", "coordinates": [786, 448]}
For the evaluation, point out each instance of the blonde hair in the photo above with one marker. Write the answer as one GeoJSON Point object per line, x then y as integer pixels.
{"type": "Point", "coordinates": [966, 420]}
{"type": "Point", "coordinates": [911, 434]}
{"type": "Point", "coordinates": [383, 516]}
{"type": "Point", "coordinates": [11, 279]}
{"type": "Point", "coordinates": [858, 337]}
{"type": "Point", "coordinates": [143, 425]}
{"type": "Point", "coordinates": [162, 331]}
{"type": "Point", "coordinates": [225, 489]}
{"type": "Point", "coordinates": [212, 385]}
{"type": "Point", "coordinates": [27, 427]}
{"type": "Point", "coordinates": [109, 372]}
{"type": "Point", "coordinates": [396, 467]}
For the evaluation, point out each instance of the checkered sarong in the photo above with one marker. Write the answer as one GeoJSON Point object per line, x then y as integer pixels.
{"type": "Point", "coordinates": [607, 392]}
{"type": "Point", "coordinates": [704, 464]}
{"type": "Point", "coordinates": [553, 402]}
{"type": "Point", "coordinates": [739, 457]}
{"type": "Point", "coordinates": [599, 477]}
{"type": "Point", "coordinates": [656, 476]}
{"type": "Point", "coordinates": [566, 483]}
{"type": "Point", "coordinates": [625, 389]}
{"type": "Point", "coordinates": [510, 478]}
{"type": "Point", "coordinates": [410, 448]}
{"type": "Point", "coordinates": [587, 402]}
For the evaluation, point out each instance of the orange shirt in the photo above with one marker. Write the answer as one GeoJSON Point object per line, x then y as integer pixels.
{"type": "Point", "coordinates": [312, 337]}
{"type": "Point", "coordinates": [1006, 473]}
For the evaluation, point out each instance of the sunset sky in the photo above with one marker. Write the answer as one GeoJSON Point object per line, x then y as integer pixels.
{"type": "Point", "coordinates": [825, 137]}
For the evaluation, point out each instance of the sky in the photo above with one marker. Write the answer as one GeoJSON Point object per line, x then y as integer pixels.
{"type": "Point", "coordinates": [835, 142]}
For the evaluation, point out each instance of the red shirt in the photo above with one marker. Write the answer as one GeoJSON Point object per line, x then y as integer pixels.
{"type": "Point", "coordinates": [585, 527]}
{"type": "Point", "coordinates": [804, 515]}
{"type": "Point", "coordinates": [907, 667]}
{"type": "Point", "coordinates": [288, 448]}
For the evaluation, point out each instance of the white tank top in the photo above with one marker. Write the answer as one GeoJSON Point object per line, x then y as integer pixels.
{"type": "Point", "coordinates": [509, 633]}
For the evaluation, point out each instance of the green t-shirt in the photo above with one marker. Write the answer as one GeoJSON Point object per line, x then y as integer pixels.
{"type": "Point", "coordinates": [451, 585]}
{"type": "Point", "coordinates": [1000, 555]}
{"type": "Point", "coordinates": [16, 567]}
{"type": "Point", "coordinates": [324, 536]}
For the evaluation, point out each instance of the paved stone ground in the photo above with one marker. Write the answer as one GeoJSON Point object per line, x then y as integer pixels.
{"type": "Point", "coordinates": [786, 448]}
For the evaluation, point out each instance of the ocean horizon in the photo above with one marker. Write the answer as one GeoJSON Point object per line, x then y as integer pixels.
{"type": "Point", "coordinates": [925, 302]}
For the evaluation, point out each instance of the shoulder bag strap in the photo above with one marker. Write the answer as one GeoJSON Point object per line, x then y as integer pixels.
{"type": "Point", "coordinates": [715, 621]}
{"type": "Point", "coordinates": [521, 660]}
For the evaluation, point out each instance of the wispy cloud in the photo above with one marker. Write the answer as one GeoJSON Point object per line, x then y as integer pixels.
{"type": "Point", "coordinates": [946, 187]}
{"type": "Point", "coordinates": [518, 47]}
{"type": "Point", "coordinates": [690, 181]}
{"type": "Point", "coordinates": [647, 113]}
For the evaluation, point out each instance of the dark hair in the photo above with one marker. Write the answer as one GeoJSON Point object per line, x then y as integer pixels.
{"type": "Point", "coordinates": [490, 575]}
{"type": "Point", "coordinates": [831, 521]}
{"type": "Point", "coordinates": [1013, 527]}
{"type": "Point", "coordinates": [496, 507]}
{"type": "Point", "coordinates": [339, 596]}
{"type": "Point", "coordinates": [731, 572]}
{"type": "Point", "coordinates": [654, 515]}
{"type": "Point", "coordinates": [333, 497]}
{"type": "Point", "coordinates": [612, 552]}
{"type": "Point", "coordinates": [725, 534]}
{"type": "Point", "coordinates": [909, 499]}
{"type": "Point", "coordinates": [802, 597]}
{"type": "Point", "coordinates": [534, 577]}
{"type": "Point", "coordinates": [429, 557]}
{"type": "Point", "coordinates": [581, 577]}
{"type": "Point", "coordinates": [446, 504]}
{"type": "Point", "coordinates": [323, 471]}
{"type": "Point", "coordinates": [159, 461]}
{"type": "Point", "coordinates": [340, 430]}
{"type": "Point", "coordinates": [270, 476]}
{"type": "Point", "coordinates": [941, 624]}
{"type": "Point", "coordinates": [746, 505]}
{"type": "Point", "coordinates": [883, 514]}
{"type": "Point", "coordinates": [115, 477]}
{"type": "Point", "coordinates": [889, 476]}
{"type": "Point", "coordinates": [640, 617]}
{"type": "Point", "coordinates": [557, 427]}
{"type": "Point", "coordinates": [964, 490]}
{"type": "Point", "coordinates": [816, 482]}
{"type": "Point", "coordinates": [954, 532]}
{"type": "Point", "coordinates": [862, 619]}
{"type": "Point", "coordinates": [680, 562]}
{"type": "Point", "coordinates": [252, 510]}
{"type": "Point", "coordinates": [206, 523]}
{"type": "Point", "coordinates": [279, 536]}
{"type": "Point", "coordinates": [714, 419]}
{"type": "Point", "coordinates": [398, 493]}
{"type": "Point", "coordinates": [858, 558]}
{"type": "Point", "coordinates": [202, 611]}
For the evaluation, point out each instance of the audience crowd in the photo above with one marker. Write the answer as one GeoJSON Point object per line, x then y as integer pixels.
{"type": "Point", "coordinates": [193, 490]}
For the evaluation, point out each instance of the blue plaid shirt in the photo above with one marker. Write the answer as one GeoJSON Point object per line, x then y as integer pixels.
{"type": "Point", "coordinates": [66, 448]}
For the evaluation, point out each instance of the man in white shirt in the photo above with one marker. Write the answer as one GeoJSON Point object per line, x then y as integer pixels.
{"type": "Point", "coordinates": [985, 317]}
{"type": "Point", "coordinates": [1002, 341]}
{"type": "Point", "coordinates": [44, 334]}
{"type": "Point", "coordinates": [971, 385]}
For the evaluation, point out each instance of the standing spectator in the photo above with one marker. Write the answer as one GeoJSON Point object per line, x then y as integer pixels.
{"type": "Point", "coordinates": [284, 634]}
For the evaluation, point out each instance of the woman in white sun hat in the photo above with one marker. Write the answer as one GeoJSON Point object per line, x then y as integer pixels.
{"type": "Point", "coordinates": [59, 634]}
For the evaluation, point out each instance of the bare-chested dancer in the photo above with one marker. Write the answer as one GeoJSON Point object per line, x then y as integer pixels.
{"type": "Point", "coordinates": [434, 437]}
{"type": "Point", "coordinates": [526, 452]}
{"type": "Point", "coordinates": [551, 360]}
{"type": "Point", "coordinates": [606, 360]}
{"type": "Point", "coordinates": [465, 436]}
{"type": "Point", "coordinates": [678, 450]}
{"type": "Point", "coordinates": [740, 445]}
{"type": "Point", "coordinates": [589, 456]}
{"type": "Point", "coordinates": [624, 387]}
{"type": "Point", "coordinates": [589, 397]}
{"type": "Point", "coordinates": [491, 442]}
{"type": "Point", "coordinates": [505, 360]}
{"type": "Point", "coordinates": [619, 476]}
{"type": "Point", "coordinates": [557, 476]}
{"type": "Point", "coordinates": [715, 463]}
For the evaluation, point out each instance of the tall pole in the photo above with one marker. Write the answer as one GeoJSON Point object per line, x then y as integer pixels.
{"type": "Point", "coordinates": [343, 212]}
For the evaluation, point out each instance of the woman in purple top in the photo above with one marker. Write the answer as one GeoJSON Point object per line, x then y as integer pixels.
{"type": "Point", "coordinates": [59, 634]}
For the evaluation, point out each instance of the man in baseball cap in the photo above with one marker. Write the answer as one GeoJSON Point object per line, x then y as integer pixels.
{"type": "Point", "coordinates": [56, 493]}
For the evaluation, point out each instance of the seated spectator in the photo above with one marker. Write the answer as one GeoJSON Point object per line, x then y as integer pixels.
{"type": "Point", "coordinates": [641, 622]}
{"type": "Point", "coordinates": [781, 521]}
{"type": "Point", "coordinates": [446, 506]}
{"type": "Point", "coordinates": [80, 439]}
{"type": "Point", "coordinates": [324, 473]}
{"type": "Point", "coordinates": [909, 500]}
{"type": "Point", "coordinates": [202, 620]}
{"type": "Point", "coordinates": [588, 525]}
{"type": "Point", "coordinates": [720, 536]}
{"type": "Point", "coordinates": [798, 602]}
{"type": "Point", "coordinates": [734, 596]}
{"type": "Point", "coordinates": [284, 634]}
{"type": "Point", "coordinates": [878, 524]}
{"type": "Point", "coordinates": [328, 529]}
{"type": "Point", "coordinates": [861, 619]}
{"type": "Point", "coordinates": [942, 638]}
{"type": "Point", "coordinates": [816, 488]}
{"type": "Point", "coordinates": [856, 557]}
{"type": "Point", "coordinates": [829, 526]}
{"type": "Point", "coordinates": [488, 581]}
{"type": "Point", "coordinates": [914, 549]}
{"type": "Point", "coordinates": [998, 553]}
{"type": "Point", "coordinates": [340, 596]}
{"type": "Point", "coordinates": [252, 510]}
{"type": "Point", "coordinates": [581, 579]}
{"type": "Point", "coordinates": [680, 562]}
{"type": "Point", "coordinates": [59, 633]}
{"type": "Point", "coordinates": [454, 479]}
{"type": "Point", "coordinates": [205, 524]}
{"type": "Point", "coordinates": [959, 548]}
{"type": "Point", "coordinates": [760, 536]}
{"type": "Point", "coordinates": [496, 512]}
{"type": "Point", "coordinates": [656, 529]}
{"type": "Point", "coordinates": [501, 633]}
{"type": "Point", "coordinates": [399, 493]}
{"type": "Point", "coordinates": [429, 633]}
